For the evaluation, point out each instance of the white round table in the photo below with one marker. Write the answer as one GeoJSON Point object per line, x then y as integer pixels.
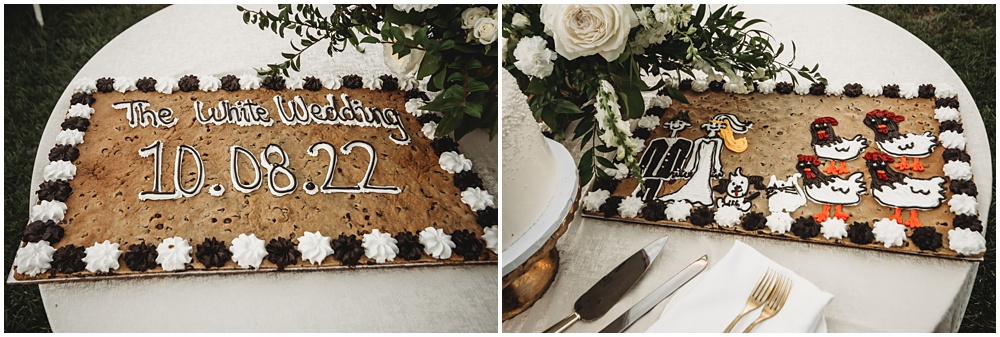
{"type": "Point", "coordinates": [874, 291]}
{"type": "Point", "coordinates": [180, 40]}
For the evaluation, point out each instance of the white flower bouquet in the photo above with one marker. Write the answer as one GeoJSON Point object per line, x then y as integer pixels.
{"type": "Point", "coordinates": [586, 64]}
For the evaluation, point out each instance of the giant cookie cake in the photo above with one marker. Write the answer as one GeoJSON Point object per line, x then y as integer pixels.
{"type": "Point", "coordinates": [880, 167]}
{"type": "Point", "coordinates": [159, 176]}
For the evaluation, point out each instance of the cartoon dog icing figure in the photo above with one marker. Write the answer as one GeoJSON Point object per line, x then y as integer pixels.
{"type": "Point", "coordinates": [737, 190]}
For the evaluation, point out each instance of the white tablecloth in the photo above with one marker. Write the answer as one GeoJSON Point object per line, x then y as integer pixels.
{"type": "Point", "coordinates": [874, 291]}
{"type": "Point", "coordinates": [214, 40]}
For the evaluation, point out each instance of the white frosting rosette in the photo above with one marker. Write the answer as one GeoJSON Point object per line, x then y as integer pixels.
{"type": "Point", "coordinates": [85, 85]}
{"type": "Point", "coordinates": [834, 228]}
{"type": "Point", "coordinates": [173, 253]}
{"type": "Point", "coordinates": [889, 232]}
{"type": "Point", "coordinates": [630, 207]}
{"type": "Point", "coordinates": [166, 85]}
{"type": "Point", "coordinates": [945, 90]}
{"type": "Point", "coordinates": [660, 101]}
{"type": "Point", "coordinates": [834, 88]}
{"type": "Point", "coordinates": [958, 170]}
{"type": "Point", "coordinates": [413, 107]}
{"type": "Point", "coordinates": [594, 199]}
{"type": "Point", "coordinates": [678, 211]}
{"type": "Point", "coordinates": [48, 210]}
{"type": "Point", "coordinates": [728, 216]}
{"type": "Point", "coordinates": [802, 88]}
{"type": "Point", "coordinates": [477, 198]}
{"type": "Point", "coordinates": [952, 140]}
{"type": "Point", "coordinates": [102, 257]}
{"type": "Point", "coordinates": [779, 222]}
{"type": "Point", "coordinates": [428, 129]}
{"type": "Point", "coordinates": [249, 82]}
{"type": "Point", "coordinates": [454, 162]}
{"type": "Point", "coordinates": [314, 247]}
{"type": "Point", "coordinates": [962, 204]}
{"type": "Point", "coordinates": [648, 122]}
{"type": "Point", "coordinates": [69, 137]}
{"type": "Point", "coordinates": [766, 87]}
{"type": "Point", "coordinates": [34, 258]}
{"type": "Point", "coordinates": [379, 246]}
{"type": "Point", "coordinates": [944, 114]}
{"type": "Point", "coordinates": [490, 236]}
{"type": "Point", "coordinates": [871, 89]}
{"type": "Point", "coordinates": [248, 251]}
{"type": "Point", "coordinates": [209, 83]}
{"type": "Point", "coordinates": [80, 110]}
{"type": "Point", "coordinates": [124, 84]}
{"type": "Point", "coordinates": [966, 242]}
{"type": "Point", "coordinates": [332, 82]}
{"type": "Point", "coordinates": [371, 83]}
{"type": "Point", "coordinates": [909, 90]}
{"type": "Point", "coordinates": [295, 82]}
{"type": "Point", "coordinates": [619, 172]}
{"type": "Point", "coordinates": [436, 243]}
{"type": "Point", "coordinates": [699, 85]}
{"type": "Point", "coordinates": [408, 82]}
{"type": "Point", "coordinates": [59, 170]}
{"type": "Point", "coordinates": [216, 190]}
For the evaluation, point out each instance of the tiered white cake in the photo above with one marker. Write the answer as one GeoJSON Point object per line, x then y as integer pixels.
{"type": "Point", "coordinates": [529, 170]}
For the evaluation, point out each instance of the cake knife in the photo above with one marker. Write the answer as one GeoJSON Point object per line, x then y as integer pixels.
{"type": "Point", "coordinates": [647, 303]}
{"type": "Point", "coordinates": [609, 289]}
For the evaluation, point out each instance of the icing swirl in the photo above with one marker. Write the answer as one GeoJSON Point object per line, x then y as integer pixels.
{"type": "Point", "coordinates": [48, 210]}
{"type": "Point", "coordinates": [413, 107]}
{"type": "Point", "coordinates": [248, 251]}
{"type": "Point", "coordinates": [784, 88]}
{"type": "Point", "coordinates": [210, 83]}
{"type": "Point", "coordinates": [702, 216]}
{"type": "Point", "coordinates": [610, 206]}
{"type": "Point", "coordinates": [487, 217]}
{"type": "Point", "coordinates": [216, 190]}
{"type": "Point", "coordinates": [372, 83]}
{"type": "Point", "coordinates": [379, 246]}
{"type": "Point", "coordinates": [47, 231]}
{"type": "Point", "coordinates": [467, 245]}
{"type": "Point", "coordinates": [926, 238]}
{"type": "Point", "coordinates": [314, 247]}
{"type": "Point", "coordinates": [728, 216]}
{"type": "Point", "coordinates": [312, 83]}
{"type": "Point", "coordinates": [173, 253]}
{"type": "Point", "coordinates": [188, 83]}
{"type": "Point", "coordinates": [140, 257]}
{"type": "Point", "coordinates": [60, 190]}
{"type": "Point", "coordinates": [655, 210]}
{"type": "Point", "coordinates": [477, 198]}
{"type": "Point", "coordinates": [249, 82]}
{"type": "Point", "coordinates": [889, 232]}
{"type": "Point", "coordinates": [389, 82]}
{"type": "Point", "coordinates": [428, 117]}
{"type": "Point", "coordinates": [955, 155]}
{"type": "Point", "coordinates": [952, 140]}
{"type": "Point", "coordinates": [619, 172]}
{"type": "Point", "coordinates": [779, 222]}
{"type": "Point", "coordinates": [490, 236]}
{"type": "Point", "coordinates": [69, 137]}
{"type": "Point", "coordinates": [84, 85]}
{"type": "Point", "coordinates": [409, 83]}
{"type": "Point", "coordinates": [805, 227]}
{"type": "Point", "coordinates": [944, 114]}
{"type": "Point", "coordinates": [124, 84]}
{"type": "Point", "coordinates": [64, 153]}
{"type": "Point", "coordinates": [678, 211]}
{"type": "Point", "coordinates": [230, 83]}
{"type": "Point", "coordinates": [926, 91]}
{"type": "Point", "coordinates": [958, 170]}
{"type": "Point", "coordinates": [444, 144]}
{"type": "Point", "coordinates": [835, 89]}
{"type": "Point", "coordinates": [968, 222]}
{"type": "Point", "coordinates": [295, 83]}
{"type": "Point", "coordinates": [908, 90]}
{"type": "Point", "coordinates": [82, 98]}
{"type": "Point", "coordinates": [594, 199]}
{"type": "Point", "coordinates": [347, 250]}
{"type": "Point", "coordinates": [213, 253]}
{"type": "Point", "coordinates": [166, 85]}
{"type": "Point", "coordinates": [965, 242]}
{"type": "Point", "coordinates": [34, 258]}
{"type": "Point", "coordinates": [699, 85]}
{"type": "Point", "coordinates": [945, 90]}
{"type": "Point", "coordinates": [69, 259]}
{"type": "Point", "coordinates": [453, 162]}
{"type": "Point", "coordinates": [649, 122]}
{"type": "Point", "coordinates": [890, 90]}
{"type": "Point", "coordinates": [660, 101]}
{"type": "Point", "coordinates": [962, 204]}
{"type": "Point", "coordinates": [409, 246]}
{"type": "Point", "coordinates": [105, 84]}
{"type": "Point", "coordinates": [146, 84]}
{"type": "Point", "coordinates": [817, 89]}
{"type": "Point", "coordinates": [466, 179]}
{"type": "Point", "coordinates": [630, 206]}
{"type": "Point", "coordinates": [853, 90]}
{"type": "Point", "coordinates": [428, 129]}
{"type": "Point", "coordinates": [834, 228]}
{"type": "Point", "coordinates": [766, 87]}
{"type": "Point", "coordinates": [754, 221]}
{"type": "Point", "coordinates": [436, 243]}
{"type": "Point", "coordinates": [282, 252]}
{"type": "Point", "coordinates": [685, 84]}
{"type": "Point", "coordinates": [75, 123]}
{"type": "Point", "coordinates": [59, 170]}
{"type": "Point", "coordinates": [860, 233]}
{"type": "Point", "coordinates": [872, 90]}
{"type": "Point", "coordinates": [102, 257]}
{"type": "Point", "coordinates": [951, 102]}
{"type": "Point", "coordinates": [80, 110]}
{"type": "Point", "coordinates": [966, 187]}
{"type": "Point", "coordinates": [802, 88]}
{"type": "Point", "coordinates": [274, 82]}
{"type": "Point", "coordinates": [332, 82]}
{"type": "Point", "coordinates": [352, 81]}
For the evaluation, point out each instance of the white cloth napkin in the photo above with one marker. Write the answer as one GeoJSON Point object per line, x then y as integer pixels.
{"type": "Point", "coordinates": [715, 297]}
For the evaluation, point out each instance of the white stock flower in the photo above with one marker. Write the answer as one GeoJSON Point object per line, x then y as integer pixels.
{"type": "Point", "coordinates": [533, 58]}
{"type": "Point", "coordinates": [584, 30]}
{"type": "Point", "coordinates": [402, 66]}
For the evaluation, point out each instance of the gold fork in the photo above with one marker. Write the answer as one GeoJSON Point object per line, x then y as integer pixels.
{"type": "Point", "coordinates": [774, 303]}
{"type": "Point", "coordinates": [761, 292]}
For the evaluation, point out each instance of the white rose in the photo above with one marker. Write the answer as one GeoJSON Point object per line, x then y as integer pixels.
{"type": "Point", "coordinates": [584, 30]}
{"type": "Point", "coordinates": [533, 58]}
{"type": "Point", "coordinates": [486, 30]}
{"type": "Point", "coordinates": [519, 20]}
{"type": "Point", "coordinates": [401, 66]}
{"type": "Point", "coordinates": [473, 14]}
{"type": "Point", "coordinates": [416, 8]}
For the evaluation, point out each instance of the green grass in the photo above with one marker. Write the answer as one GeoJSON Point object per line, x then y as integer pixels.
{"type": "Point", "coordinates": [40, 62]}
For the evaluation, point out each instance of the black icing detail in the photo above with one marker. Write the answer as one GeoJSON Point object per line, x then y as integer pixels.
{"type": "Point", "coordinates": [347, 249]}
{"type": "Point", "coordinates": [926, 238]}
{"type": "Point", "coordinates": [717, 86]}
{"type": "Point", "coordinates": [310, 188]}
{"type": "Point", "coordinates": [234, 171]}
{"type": "Point", "coordinates": [966, 187]}
{"type": "Point", "coordinates": [64, 152]}
{"type": "Point", "coordinates": [409, 245]}
{"type": "Point", "coordinates": [467, 245]}
{"type": "Point", "coordinates": [656, 111]}
{"type": "Point", "coordinates": [352, 81]}
{"type": "Point", "coordinates": [969, 222]}
{"type": "Point", "coordinates": [685, 84]}
{"type": "Point", "coordinates": [890, 90]}
{"type": "Point", "coordinates": [467, 179]}
{"type": "Point", "coordinates": [213, 253]}
{"type": "Point", "coordinates": [69, 259]}
{"type": "Point", "coordinates": [860, 233]}
{"type": "Point", "coordinates": [43, 231]}
{"type": "Point", "coordinates": [82, 98]}
{"type": "Point", "coordinates": [312, 84]}
{"type": "Point", "coordinates": [736, 190]}
{"type": "Point", "coordinates": [389, 82]}
{"type": "Point", "coordinates": [105, 84]}
{"type": "Point", "coordinates": [641, 133]}
{"type": "Point", "coordinates": [230, 83]}
{"type": "Point", "coordinates": [824, 126]}
{"type": "Point", "coordinates": [146, 84]}
{"type": "Point", "coordinates": [784, 88]}
{"type": "Point", "coordinates": [952, 126]}
{"type": "Point", "coordinates": [817, 89]}
{"type": "Point", "coordinates": [487, 217]}
{"type": "Point", "coordinates": [429, 117]}
{"type": "Point", "coordinates": [812, 176]}
{"type": "Point", "coordinates": [188, 83]}
{"type": "Point", "coordinates": [609, 185]}
{"type": "Point", "coordinates": [702, 216]}
{"type": "Point", "coordinates": [274, 82]}
{"type": "Point", "coordinates": [141, 257]}
{"type": "Point", "coordinates": [76, 123]}
{"type": "Point", "coordinates": [925, 91]}
{"type": "Point", "coordinates": [444, 144]}
{"type": "Point", "coordinates": [882, 174]}
{"type": "Point", "coordinates": [951, 102]}
{"type": "Point", "coordinates": [805, 227]}
{"type": "Point", "coordinates": [754, 221]}
{"type": "Point", "coordinates": [654, 210]}
{"type": "Point", "coordinates": [416, 93]}
{"type": "Point", "coordinates": [852, 90]}
{"type": "Point", "coordinates": [54, 190]}
{"type": "Point", "coordinates": [282, 252]}
{"type": "Point", "coordinates": [885, 124]}
{"type": "Point", "coordinates": [956, 155]}
{"type": "Point", "coordinates": [610, 206]}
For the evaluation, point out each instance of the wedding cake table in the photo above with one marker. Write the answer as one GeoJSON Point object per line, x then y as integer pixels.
{"type": "Point", "coordinates": [874, 291]}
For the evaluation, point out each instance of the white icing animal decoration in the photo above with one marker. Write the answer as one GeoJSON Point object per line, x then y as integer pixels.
{"type": "Point", "coordinates": [828, 145]}
{"type": "Point", "coordinates": [703, 165]}
{"type": "Point", "coordinates": [889, 140]}
{"type": "Point", "coordinates": [737, 190]}
{"type": "Point", "coordinates": [897, 190]}
{"type": "Point", "coordinates": [829, 190]}
{"type": "Point", "coordinates": [785, 195]}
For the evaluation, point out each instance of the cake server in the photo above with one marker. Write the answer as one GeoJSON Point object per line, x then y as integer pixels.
{"type": "Point", "coordinates": [666, 289]}
{"type": "Point", "coordinates": [609, 289]}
